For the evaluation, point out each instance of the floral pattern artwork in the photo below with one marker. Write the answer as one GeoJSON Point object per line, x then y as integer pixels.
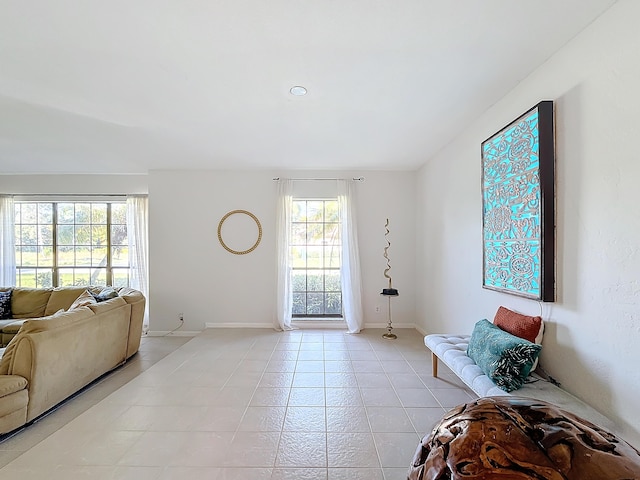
{"type": "Point", "coordinates": [514, 206]}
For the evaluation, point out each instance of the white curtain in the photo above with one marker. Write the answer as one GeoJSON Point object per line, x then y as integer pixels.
{"type": "Point", "coordinates": [283, 228]}
{"type": "Point", "coordinates": [7, 242]}
{"type": "Point", "coordinates": [350, 271]}
{"type": "Point", "coordinates": [138, 234]}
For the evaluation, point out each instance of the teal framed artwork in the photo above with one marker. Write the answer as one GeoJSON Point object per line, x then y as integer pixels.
{"type": "Point", "coordinates": [518, 206]}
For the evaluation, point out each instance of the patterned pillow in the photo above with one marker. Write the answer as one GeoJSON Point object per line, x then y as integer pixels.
{"type": "Point", "coordinates": [106, 294]}
{"type": "Point", "coordinates": [5, 305]}
{"type": "Point", "coordinates": [504, 358]}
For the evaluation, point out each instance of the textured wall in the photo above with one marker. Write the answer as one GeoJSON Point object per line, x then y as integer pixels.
{"type": "Point", "coordinates": [593, 330]}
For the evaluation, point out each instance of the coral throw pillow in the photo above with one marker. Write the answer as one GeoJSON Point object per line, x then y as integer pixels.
{"type": "Point", "coordinates": [523, 326]}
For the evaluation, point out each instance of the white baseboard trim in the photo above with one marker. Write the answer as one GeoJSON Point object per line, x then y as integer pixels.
{"type": "Point", "coordinates": [239, 325]}
{"type": "Point", "coordinates": [169, 333]}
{"type": "Point", "coordinates": [394, 325]}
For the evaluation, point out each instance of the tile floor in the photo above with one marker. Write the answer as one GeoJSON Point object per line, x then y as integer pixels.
{"type": "Point", "coordinates": [246, 404]}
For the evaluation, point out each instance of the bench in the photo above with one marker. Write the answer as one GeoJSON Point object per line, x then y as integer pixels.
{"type": "Point", "coordinates": [452, 351]}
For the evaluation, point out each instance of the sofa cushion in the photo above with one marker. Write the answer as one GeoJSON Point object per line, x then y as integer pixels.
{"type": "Point", "coordinates": [62, 298]}
{"type": "Point", "coordinates": [5, 305]}
{"type": "Point", "coordinates": [523, 326]}
{"type": "Point", "coordinates": [107, 305]}
{"type": "Point", "coordinates": [503, 357]}
{"type": "Point", "coordinates": [29, 302]}
{"type": "Point", "coordinates": [84, 300]}
{"type": "Point", "coordinates": [59, 319]}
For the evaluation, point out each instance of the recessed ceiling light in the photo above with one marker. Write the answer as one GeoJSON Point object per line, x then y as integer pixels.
{"type": "Point", "coordinates": [298, 91]}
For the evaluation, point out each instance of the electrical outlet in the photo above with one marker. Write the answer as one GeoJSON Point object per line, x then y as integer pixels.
{"type": "Point", "coordinates": [181, 317]}
{"type": "Point", "coordinates": [377, 308]}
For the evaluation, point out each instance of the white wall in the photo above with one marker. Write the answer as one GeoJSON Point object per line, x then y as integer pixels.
{"type": "Point", "coordinates": [191, 273]}
{"type": "Point", "coordinates": [592, 341]}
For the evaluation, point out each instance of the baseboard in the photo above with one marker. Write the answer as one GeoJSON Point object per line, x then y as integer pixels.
{"type": "Point", "coordinates": [169, 333]}
{"type": "Point", "coordinates": [394, 325]}
{"type": "Point", "coordinates": [239, 325]}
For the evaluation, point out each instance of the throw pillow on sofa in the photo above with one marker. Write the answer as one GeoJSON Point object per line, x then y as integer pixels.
{"type": "Point", "coordinates": [84, 300]}
{"type": "Point", "coordinates": [5, 305]}
{"type": "Point", "coordinates": [106, 294]}
{"type": "Point", "coordinates": [523, 326]}
{"type": "Point", "coordinates": [506, 359]}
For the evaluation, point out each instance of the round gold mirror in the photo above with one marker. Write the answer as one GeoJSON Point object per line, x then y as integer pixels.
{"type": "Point", "coordinates": [241, 228]}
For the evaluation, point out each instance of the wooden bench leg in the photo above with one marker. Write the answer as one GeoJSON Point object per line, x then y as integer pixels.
{"type": "Point", "coordinates": [434, 362]}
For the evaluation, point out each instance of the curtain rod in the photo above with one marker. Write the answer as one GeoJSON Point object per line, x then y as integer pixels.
{"type": "Point", "coordinates": [355, 179]}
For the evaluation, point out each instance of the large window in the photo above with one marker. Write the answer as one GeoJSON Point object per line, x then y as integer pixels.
{"type": "Point", "coordinates": [71, 243]}
{"type": "Point", "coordinates": [315, 257]}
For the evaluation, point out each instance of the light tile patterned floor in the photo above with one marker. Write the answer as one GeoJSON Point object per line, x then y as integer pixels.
{"type": "Point", "coordinates": [246, 403]}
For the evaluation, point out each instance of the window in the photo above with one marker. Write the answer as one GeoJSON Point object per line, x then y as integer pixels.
{"type": "Point", "coordinates": [315, 258]}
{"type": "Point", "coordinates": [71, 243]}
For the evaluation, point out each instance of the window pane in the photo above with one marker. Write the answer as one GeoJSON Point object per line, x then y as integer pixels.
{"type": "Point", "coordinates": [120, 277]}
{"type": "Point", "coordinates": [333, 303]}
{"type": "Point", "coordinates": [299, 281]}
{"type": "Point", "coordinates": [298, 211]}
{"type": "Point", "coordinates": [45, 234]}
{"type": "Point", "coordinates": [44, 278]}
{"type": "Point", "coordinates": [83, 256]}
{"type": "Point", "coordinates": [299, 304]}
{"type": "Point", "coordinates": [315, 302]}
{"type": "Point", "coordinates": [331, 257]}
{"type": "Point", "coordinates": [99, 235]}
{"type": "Point", "coordinates": [120, 256]}
{"type": "Point", "coordinates": [45, 213]}
{"type": "Point", "coordinates": [29, 213]}
{"type": "Point", "coordinates": [119, 235]}
{"type": "Point", "coordinates": [332, 281]}
{"type": "Point", "coordinates": [315, 211]}
{"type": "Point", "coordinates": [298, 257]}
{"type": "Point", "coordinates": [28, 256]}
{"type": "Point", "coordinates": [99, 256]}
{"type": "Point", "coordinates": [314, 257]}
{"type": "Point", "coordinates": [26, 277]}
{"type": "Point", "coordinates": [332, 233]}
{"type": "Point", "coordinates": [119, 213]}
{"type": "Point", "coordinates": [66, 257]}
{"type": "Point", "coordinates": [45, 256]}
{"type": "Point", "coordinates": [83, 213]}
{"type": "Point", "coordinates": [315, 281]}
{"type": "Point", "coordinates": [83, 235]}
{"type": "Point", "coordinates": [66, 213]}
{"type": "Point", "coordinates": [65, 277]}
{"type": "Point", "coordinates": [315, 234]}
{"type": "Point", "coordinates": [298, 234]}
{"type": "Point", "coordinates": [331, 212]}
{"type": "Point", "coordinates": [99, 213]}
{"type": "Point", "coordinates": [29, 235]}
{"type": "Point", "coordinates": [65, 234]}
{"type": "Point", "coordinates": [99, 277]}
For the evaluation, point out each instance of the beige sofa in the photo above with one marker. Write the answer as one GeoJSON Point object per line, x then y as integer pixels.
{"type": "Point", "coordinates": [54, 350]}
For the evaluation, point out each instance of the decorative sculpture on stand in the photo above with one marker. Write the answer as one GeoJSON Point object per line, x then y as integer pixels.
{"type": "Point", "coordinates": [388, 292]}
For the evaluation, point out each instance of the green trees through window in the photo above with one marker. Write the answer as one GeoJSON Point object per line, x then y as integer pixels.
{"type": "Point", "coordinates": [71, 243]}
{"type": "Point", "coordinates": [315, 258]}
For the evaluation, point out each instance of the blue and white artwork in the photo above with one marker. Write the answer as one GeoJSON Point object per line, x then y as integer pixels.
{"type": "Point", "coordinates": [513, 209]}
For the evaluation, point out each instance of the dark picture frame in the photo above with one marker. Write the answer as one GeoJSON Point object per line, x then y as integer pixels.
{"type": "Point", "coordinates": [518, 206]}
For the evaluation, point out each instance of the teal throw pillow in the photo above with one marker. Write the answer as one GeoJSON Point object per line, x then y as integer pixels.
{"type": "Point", "coordinates": [504, 358]}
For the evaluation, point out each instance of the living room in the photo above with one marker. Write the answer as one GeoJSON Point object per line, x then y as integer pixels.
{"type": "Point", "coordinates": [435, 214]}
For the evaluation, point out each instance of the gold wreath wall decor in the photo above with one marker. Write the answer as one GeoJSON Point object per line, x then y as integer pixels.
{"type": "Point", "coordinates": [238, 252]}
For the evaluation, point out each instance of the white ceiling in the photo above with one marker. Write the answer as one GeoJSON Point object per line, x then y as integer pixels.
{"type": "Point", "coordinates": [126, 86]}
